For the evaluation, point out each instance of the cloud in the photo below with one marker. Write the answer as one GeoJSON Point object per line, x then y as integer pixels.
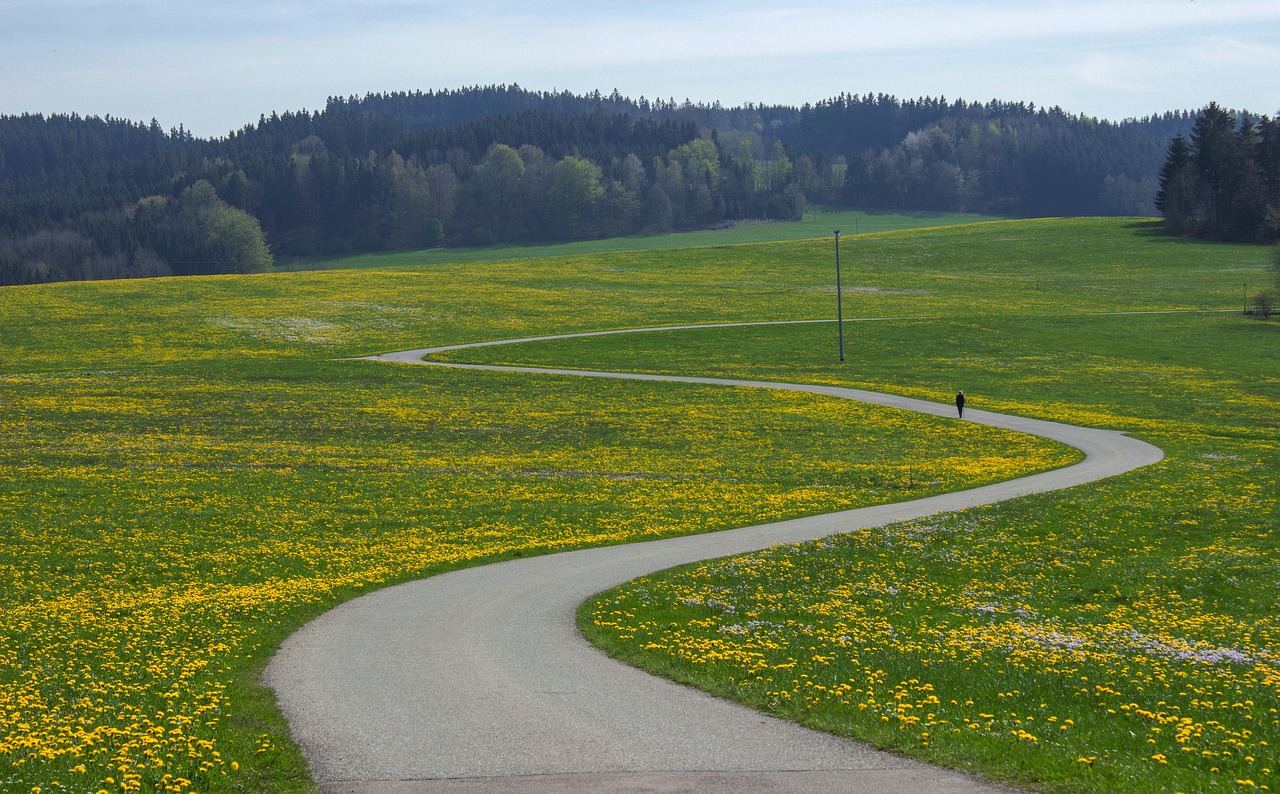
{"type": "Point", "coordinates": [1232, 51]}
{"type": "Point", "coordinates": [1121, 73]}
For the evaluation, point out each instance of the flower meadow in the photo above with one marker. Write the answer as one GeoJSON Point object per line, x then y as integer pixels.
{"type": "Point", "coordinates": [144, 563]}
{"type": "Point", "coordinates": [187, 474]}
{"type": "Point", "coordinates": [189, 471]}
{"type": "Point", "coordinates": [1118, 636]}
{"type": "Point", "coordinates": [1071, 641]}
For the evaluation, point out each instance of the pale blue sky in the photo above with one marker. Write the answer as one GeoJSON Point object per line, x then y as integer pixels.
{"type": "Point", "coordinates": [215, 66]}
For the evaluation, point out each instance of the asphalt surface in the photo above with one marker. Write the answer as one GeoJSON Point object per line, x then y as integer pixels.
{"type": "Point", "coordinates": [478, 681]}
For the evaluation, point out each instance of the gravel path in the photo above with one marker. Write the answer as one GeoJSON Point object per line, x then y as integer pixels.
{"type": "Point", "coordinates": [478, 681]}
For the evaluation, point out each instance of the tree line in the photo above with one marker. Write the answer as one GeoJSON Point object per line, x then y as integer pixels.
{"type": "Point", "coordinates": [89, 197]}
{"type": "Point", "coordinates": [1223, 181]}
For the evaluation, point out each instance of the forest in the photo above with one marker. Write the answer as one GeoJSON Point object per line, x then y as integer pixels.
{"type": "Point", "coordinates": [1223, 182]}
{"type": "Point", "coordinates": [91, 197]}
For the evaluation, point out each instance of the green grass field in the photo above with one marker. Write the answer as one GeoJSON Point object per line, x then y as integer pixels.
{"type": "Point", "coordinates": [1121, 636]}
{"type": "Point", "coordinates": [817, 222]}
{"type": "Point", "coordinates": [188, 472]}
{"type": "Point", "coordinates": [1142, 610]}
{"type": "Point", "coordinates": [1138, 613]}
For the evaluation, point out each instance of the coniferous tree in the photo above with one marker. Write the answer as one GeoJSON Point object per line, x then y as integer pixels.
{"type": "Point", "coordinates": [1176, 196]}
{"type": "Point", "coordinates": [1268, 163]}
{"type": "Point", "coordinates": [1221, 184]}
{"type": "Point", "coordinates": [1218, 168]}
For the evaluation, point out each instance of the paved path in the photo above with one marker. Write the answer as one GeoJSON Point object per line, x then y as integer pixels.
{"type": "Point", "coordinates": [478, 681]}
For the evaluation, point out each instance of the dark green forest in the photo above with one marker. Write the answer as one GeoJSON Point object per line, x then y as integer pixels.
{"type": "Point", "coordinates": [89, 197]}
{"type": "Point", "coordinates": [1223, 181]}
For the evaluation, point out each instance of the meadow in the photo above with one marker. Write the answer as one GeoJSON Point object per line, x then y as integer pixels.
{"type": "Point", "coordinates": [189, 471]}
{"type": "Point", "coordinates": [1118, 636]}
{"type": "Point", "coordinates": [817, 222]}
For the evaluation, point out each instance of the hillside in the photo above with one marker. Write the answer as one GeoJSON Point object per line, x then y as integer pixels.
{"type": "Point", "coordinates": [104, 198]}
{"type": "Point", "coordinates": [189, 471]}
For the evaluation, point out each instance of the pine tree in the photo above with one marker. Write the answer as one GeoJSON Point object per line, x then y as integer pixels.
{"type": "Point", "coordinates": [1218, 168]}
{"type": "Point", "coordinates": [1176, 198]}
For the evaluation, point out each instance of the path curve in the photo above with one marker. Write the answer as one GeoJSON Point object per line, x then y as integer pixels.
{"type": "Point", "coordinates": [478, 681]}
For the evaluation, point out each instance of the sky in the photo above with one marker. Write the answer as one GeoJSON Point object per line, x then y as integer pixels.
{"type": "Point", "coordinates": [216, 66]}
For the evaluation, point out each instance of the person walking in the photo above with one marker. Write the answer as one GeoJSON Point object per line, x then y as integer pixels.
{"type": "Point", "coordinates": [960, 403]}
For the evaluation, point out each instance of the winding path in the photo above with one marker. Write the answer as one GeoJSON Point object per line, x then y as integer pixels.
{"type": "Point", "coordinates": [478, 681]}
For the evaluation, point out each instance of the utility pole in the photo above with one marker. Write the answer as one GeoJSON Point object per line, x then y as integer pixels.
{"type": "Point", "coordinates": [839, 302]}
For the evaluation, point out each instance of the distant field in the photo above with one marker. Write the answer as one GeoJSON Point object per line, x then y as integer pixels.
{"type": "Point", "coordinates": [817, 222]}
{"type": "Point", "coordinates": [188, 471]}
